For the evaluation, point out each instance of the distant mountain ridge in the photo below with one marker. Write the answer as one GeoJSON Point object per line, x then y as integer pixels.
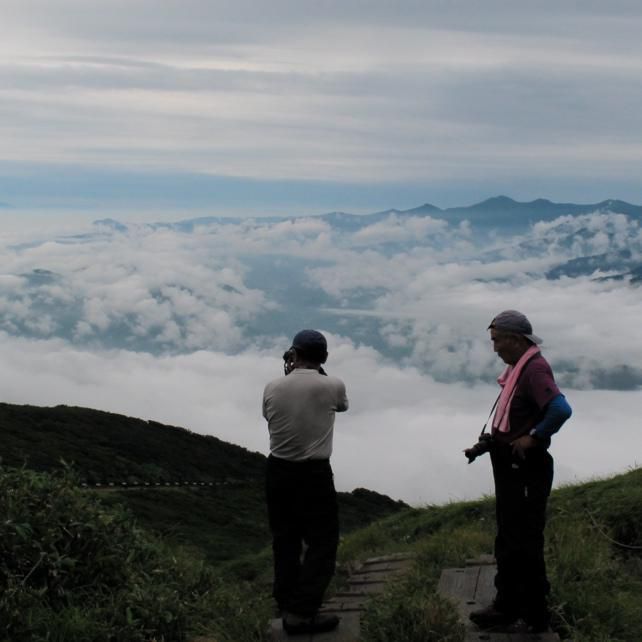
{"type": "Point", "coordinates": [496, 211]}
{"type": "Point", "coordinates": [540, 209]}
{"type": "Point", "coordinates": [501, 211]}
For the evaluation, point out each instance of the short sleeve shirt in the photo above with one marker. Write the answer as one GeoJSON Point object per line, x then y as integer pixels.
{"type": "Point", "coordinates": [300, 410]}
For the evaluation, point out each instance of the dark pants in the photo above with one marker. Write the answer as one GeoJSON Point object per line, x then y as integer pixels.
{"type": "Point", "coordinates": [302, 506]}
{"type": "Point", "coordinates": [522, 488]}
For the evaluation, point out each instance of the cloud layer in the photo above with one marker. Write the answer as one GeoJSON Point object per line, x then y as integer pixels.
{"type": "Point", "coordinates": [402, 436]}
{"type": "Point", "coordinates": [419, 290]}
{"type": "Point", "coordinates": [185, 323]}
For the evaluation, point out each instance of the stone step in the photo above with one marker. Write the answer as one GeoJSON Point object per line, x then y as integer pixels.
{"type": "Point", "coordinates": [472, 588]}
{"type": "Point", "coordinates": [369, 578]}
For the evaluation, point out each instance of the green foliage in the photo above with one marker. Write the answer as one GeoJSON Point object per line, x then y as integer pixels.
{"type": "Point", "coordinates": [68, 565]}
{"type": "Point", "coordinates": [75, 567]}
{"type": "Point", "coordinates": [72, 569]}
{"type": "Point", "coordinates": [412, 528]}
{"type": "Point", "coordinates": [105, 447]}
{"type": "Point", "coordinates": [410, 609]}
{"type": "Point", "coordinates": [412, 612]}
{"type": "Point", "coordinates": [221, 522]}
{"type": "Point", "coordinates": [595, 559]}
{"type": "Point", "coordinates": [594, 562]}
{"type": "Point", "coordinates": [362, 506]}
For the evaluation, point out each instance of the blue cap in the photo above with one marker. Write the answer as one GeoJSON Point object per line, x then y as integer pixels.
{"type": "Point", "coordinates": [310, 341]}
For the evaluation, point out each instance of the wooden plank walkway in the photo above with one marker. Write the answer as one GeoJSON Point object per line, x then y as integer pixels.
{"type": "Point", "coordinates": [472, 588]}
{"type": "Point", "coordinates": [369, 579]}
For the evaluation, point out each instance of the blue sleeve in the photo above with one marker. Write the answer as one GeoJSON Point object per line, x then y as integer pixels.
{"type": "Point", "coordinates": [556, 413]}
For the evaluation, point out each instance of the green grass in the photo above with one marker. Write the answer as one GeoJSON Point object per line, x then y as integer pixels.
{"type": "Point", "coordinates": [220, 523]}
{"type": "Point", "coordinates": [597, 584]}
{"type": "Point", "coordinates": [74, 569]}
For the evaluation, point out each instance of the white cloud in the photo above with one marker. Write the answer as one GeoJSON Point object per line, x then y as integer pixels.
{"type": "Point", "coordinates": [398, 230]}
{"type": "Point", "coordinates": [167, 288]}
{"type": "Point", "coordinates": [438, 302]}
{"type": "Point", "coordinates": [402, 436]}
{"type": "Point", "coordinates": [429, 299]}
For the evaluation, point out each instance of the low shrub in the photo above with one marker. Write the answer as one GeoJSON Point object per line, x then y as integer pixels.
{"type": "Point", "coordinates": [596, 588]}
{"type": "Point", "coordinates": [411, 611]}
{"type": "Point", "coordinates": [71, 569]}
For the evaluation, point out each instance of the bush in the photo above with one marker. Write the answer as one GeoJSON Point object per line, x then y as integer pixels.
{"type": "Point", "coordinates": [596, 589]}
{"type": "Point", "coordinates": [72, 569]}
{"type": "Point", "coordinates": [411, 611]}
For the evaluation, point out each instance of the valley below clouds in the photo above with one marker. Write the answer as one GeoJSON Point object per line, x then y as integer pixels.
{"type": "Point", "coordinates": [185, 322]}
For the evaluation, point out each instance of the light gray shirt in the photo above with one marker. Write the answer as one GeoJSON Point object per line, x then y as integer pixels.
{"type": "Point", "coordinates": [300, 409]}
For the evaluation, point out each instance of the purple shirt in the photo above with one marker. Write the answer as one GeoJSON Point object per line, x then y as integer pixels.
{"type": "Point", "coordinates": [535, 389]}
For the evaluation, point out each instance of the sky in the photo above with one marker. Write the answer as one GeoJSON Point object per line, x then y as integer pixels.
{"type": "Point", "coordinates": [146, 111]}
{"type": "Point", "coordinates": [152, 109]}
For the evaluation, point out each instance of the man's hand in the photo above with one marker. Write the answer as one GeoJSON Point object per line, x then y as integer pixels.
{"type": "Point", "coordinates": [289, 356]}
{"type": "Point", "coordinates": [522, 444]}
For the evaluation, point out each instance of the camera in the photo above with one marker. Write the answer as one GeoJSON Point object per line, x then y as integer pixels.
{"type": "Point", "coordinates": [289, 357]}
{"type": "Point", "coordinates": [484, 444]}
{"type": "Point", "coordinates": [288, 360]}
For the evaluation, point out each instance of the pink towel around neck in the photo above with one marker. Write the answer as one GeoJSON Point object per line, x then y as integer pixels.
{"type": "Point", "coordinates": [508, 381]}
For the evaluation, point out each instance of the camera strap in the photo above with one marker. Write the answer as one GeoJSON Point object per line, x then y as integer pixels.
{"type": "Point", "coordinates": [492, 410]}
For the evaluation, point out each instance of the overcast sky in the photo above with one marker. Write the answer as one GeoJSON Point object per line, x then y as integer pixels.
{"type": "Point", "coordinates": [292, 106]}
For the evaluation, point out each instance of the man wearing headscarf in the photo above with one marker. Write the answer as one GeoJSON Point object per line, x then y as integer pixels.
{"type": "Point", "coordinates": [529, 410]}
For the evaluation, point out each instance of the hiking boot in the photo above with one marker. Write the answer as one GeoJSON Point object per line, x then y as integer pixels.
{"type": "Point", "coordinates": [491, 617]}
{"type": "Point", "coordinates": [538, 626]}
{"type": "Point", "coordinates": [538, 620]}
{"type": "Point", "coordinates": [320, 623]}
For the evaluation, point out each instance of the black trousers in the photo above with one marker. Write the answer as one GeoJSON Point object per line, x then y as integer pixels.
{"type": "Point", "coordinates": [522, 488]}
{"type": "Point", "coordinates": [302, 507]}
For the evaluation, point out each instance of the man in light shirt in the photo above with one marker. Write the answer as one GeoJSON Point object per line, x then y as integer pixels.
{"type": "Point", "coordinates": [301, 499]}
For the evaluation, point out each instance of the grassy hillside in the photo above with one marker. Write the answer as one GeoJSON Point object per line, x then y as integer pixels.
{"type": "Point", "coordinates": [74, 568]}
{"type": "Point", "coordinates": [110, 447]}
{"type": "Point", "coordinates": [594, 558]}
{"type": "Point", "coordinates": [223, 522]}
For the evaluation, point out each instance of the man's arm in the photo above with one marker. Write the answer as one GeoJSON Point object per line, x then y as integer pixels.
{"type": "Point", "coordinates": [557, 411]}
{"type": "Point", "coordinates": [342, 398]}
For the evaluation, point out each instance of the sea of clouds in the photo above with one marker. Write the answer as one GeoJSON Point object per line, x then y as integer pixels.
{"type": "Point", "coordinates": [184, 324]}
